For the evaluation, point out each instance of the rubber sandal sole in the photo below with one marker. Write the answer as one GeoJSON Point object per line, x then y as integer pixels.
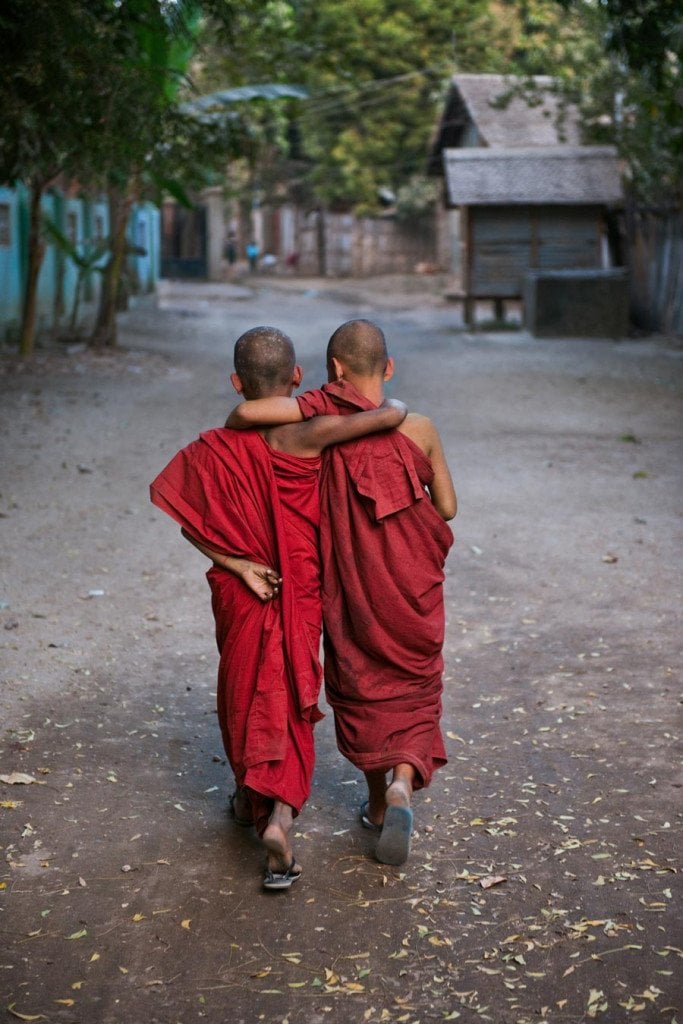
{"type": "Point", "coordinates": [275, 881]}
{"type": "Point", "coordinates": [393, 845]}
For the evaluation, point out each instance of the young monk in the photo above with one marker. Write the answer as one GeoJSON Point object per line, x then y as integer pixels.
{"type": "Point", "coordinates": [250, 502]}
{"type": "Point", "coordinates": [384, 540]}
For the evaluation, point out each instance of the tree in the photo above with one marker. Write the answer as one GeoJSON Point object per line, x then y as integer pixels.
{"type": "Point", "coordinates": [632, 88]}
{"type": "Point", "coordinates": [375, 71]}
{"type": "Point", "coordinates": [130, 153]}
{"type": "Point", "coordinates": [91, 92]}
{"type": "Point", "coordinates": [51, 58]}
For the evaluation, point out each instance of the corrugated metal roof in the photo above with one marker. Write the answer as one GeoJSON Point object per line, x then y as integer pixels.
{"type": "Point", "coordinates": [537, 174]}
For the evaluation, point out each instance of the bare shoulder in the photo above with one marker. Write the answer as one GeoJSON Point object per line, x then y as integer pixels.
{"type": "Point", "coordinates": [420, 430]}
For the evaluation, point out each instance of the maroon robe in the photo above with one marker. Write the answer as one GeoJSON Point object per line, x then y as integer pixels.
{"type": "Point", "coordinates": [235, 494]}
{"type": "Point", "coordinates": [383, 548]}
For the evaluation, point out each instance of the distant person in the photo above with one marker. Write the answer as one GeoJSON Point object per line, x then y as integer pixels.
{"type": "Point", "coordinates": [249, 501]}
{"type": "Point", "coordinates": [252, 250]}
{"type": "Point", "coordinates": [384, 542]}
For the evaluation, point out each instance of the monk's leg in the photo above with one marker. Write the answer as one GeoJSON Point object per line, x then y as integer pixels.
{"type": "Point", "coordinates": [240, 806]}
{"type": "Point", "coordinates": [400, 790]}
{"type": "Point", "coordinates": [276, 840]}
{"type": "Point", "coordinates": [393, 845]}
{"type": "Point", "coordinates": [377, 787]}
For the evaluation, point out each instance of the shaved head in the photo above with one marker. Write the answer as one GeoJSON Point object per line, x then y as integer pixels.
{"type": "Point", "coordinates": [360, 346]}
{"type": "Point", "coordinates": [264, 360]}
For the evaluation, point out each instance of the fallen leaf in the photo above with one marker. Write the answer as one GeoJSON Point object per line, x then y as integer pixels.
{"type": "Point", "coordinates": [78, 935]}
{"type": "Point", "coordinates": [25, 1016]}
{"type": "Point", "coordinates": [596, 1003]}
{"type": "Point", "coordinates": [490, 880]}
{"type": "Point", "coordinates": [20, 779]}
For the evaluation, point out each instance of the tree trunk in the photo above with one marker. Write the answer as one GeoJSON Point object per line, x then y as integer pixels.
{"type": "Point", "coordinates": [104, 333]}
{"type": "Point", "coordinates": [73, 324]}
{"type": "Point", "coordinates": [36, 252]}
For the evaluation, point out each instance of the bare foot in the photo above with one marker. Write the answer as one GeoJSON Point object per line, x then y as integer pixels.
{"type": "Point", "coordinates": [400, 791]}
{"type": "Point", "coordinates": [398, 794]}
{"type": "Point", "coordinates": [393, 845]}
{"type": "Point", "coordinates": [280, 856]}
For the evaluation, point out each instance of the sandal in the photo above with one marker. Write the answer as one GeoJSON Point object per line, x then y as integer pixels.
{"type": "Point", "coordinates": [393, 845]}
{"type": "Point", "coordinates": [278, 880]}
{"type": "Point", "coordinates": [367, 822]}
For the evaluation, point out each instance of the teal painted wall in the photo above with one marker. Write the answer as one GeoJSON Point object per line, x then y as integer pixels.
{"type": "Point", "coordinates": [86, 223]}
{"type": "Point", "coordinates": [144, 233]}
{"type": "Point", "coordinates": [10, 261]}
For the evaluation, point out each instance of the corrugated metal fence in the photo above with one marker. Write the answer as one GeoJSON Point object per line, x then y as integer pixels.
{"type": "Point", "coordinates": [654, 239]}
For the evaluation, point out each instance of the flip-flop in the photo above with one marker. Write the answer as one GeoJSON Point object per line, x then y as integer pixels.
{"type": "Point", "coordinates": [242, 822]}
{"type": "Point", "coordinates": [367, 822]}
{"type": "Point", "coordinates": [393, 845]}
{"type": "Point", "coordinates": [274, 880]}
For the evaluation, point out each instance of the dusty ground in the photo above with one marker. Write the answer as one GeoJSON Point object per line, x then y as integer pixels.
{"type": "Point", "coordinates": [125, 893]}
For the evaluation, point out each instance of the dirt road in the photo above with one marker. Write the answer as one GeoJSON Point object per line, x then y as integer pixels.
{"type": "Point", "coordinates": [543, 883]}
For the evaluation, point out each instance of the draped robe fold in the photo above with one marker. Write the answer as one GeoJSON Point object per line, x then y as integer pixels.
{"type": "Point", "coordinates": [383, 548]}
{"type": "Point", "coordinates": [235, 494]}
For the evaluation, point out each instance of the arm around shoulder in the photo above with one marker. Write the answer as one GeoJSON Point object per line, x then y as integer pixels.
{"type": "Point", "coordinates": [321, 431]}
{"type": "Point", "coordinates": [261, 412]}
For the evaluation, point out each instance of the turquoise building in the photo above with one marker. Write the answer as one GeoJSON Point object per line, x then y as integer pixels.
{"type": "Point", "coordinates": [85, 222]}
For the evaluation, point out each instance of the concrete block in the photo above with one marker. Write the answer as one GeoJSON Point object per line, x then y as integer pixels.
{"type": "Point", "coordinates": [576, 303]}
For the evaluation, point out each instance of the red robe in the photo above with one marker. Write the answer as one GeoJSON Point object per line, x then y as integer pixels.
{"type": "Point", "coordinates": [234, 493]}
{"type": "Point", "coordinates": [383, 547]}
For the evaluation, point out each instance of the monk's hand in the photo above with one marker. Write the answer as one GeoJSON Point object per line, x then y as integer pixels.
{"type": "Point", "coordinates": [396, 406]}
{"type": "Point", "coordinates": [261, 579]}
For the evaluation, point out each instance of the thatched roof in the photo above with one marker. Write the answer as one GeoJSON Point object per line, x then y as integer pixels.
{"type": "Point", "coordinates": [532, 175]}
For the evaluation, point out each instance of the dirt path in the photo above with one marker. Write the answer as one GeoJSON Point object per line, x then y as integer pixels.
{"type": "Point", "coordinates": [125, 893]}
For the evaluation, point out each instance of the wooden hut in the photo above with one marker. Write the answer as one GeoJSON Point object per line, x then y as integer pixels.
{"type": "Point", "coordinates": [530, 196]}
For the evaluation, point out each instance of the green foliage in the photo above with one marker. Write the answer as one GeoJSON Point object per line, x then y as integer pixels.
{"type": "Point", "coordinates": [375, 71]}
{"type": "Point", "coordinates": [89, 258]}
{"type": "Point", "coordinates": [628, 81]}
{"type": "Point", "coordinates": [417, 197]}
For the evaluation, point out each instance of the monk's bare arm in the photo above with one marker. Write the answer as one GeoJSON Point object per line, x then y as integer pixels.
{"type": "Point", "coordinates": [262, 412]}
{"type": "Point", "coordinates": [288, 433]}
{"type": "Point", "coordinates": [314, 435]}
{"type": "Point", "coordinates": [441, 489]}
{"type": "Point", "coordinates": [424, 434]}
{"type": "Point", "coordinates": [261, 579]}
